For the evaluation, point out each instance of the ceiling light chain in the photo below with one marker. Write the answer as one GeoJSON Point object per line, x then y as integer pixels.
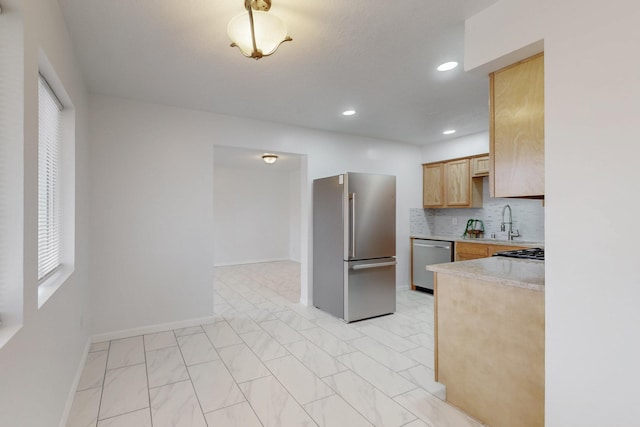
{"type": "Point", "coordinates": [247, 5]}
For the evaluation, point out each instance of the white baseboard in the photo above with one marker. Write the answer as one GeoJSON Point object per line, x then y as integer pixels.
{"type": "Point", "coordinates": [254, 261]}
{"type": "Point", "coordinates": [74, 385]}
{"type": "Point", "coordinates": [403, 287]}
{"type": "Point", "coordinates": [152, 329]}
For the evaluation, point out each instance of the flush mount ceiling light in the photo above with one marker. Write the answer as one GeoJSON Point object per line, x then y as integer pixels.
{"type": "Point", "coordinates": [447, 66]}
{"type": "Point", "coordinates": [269, 158]}
{"type": "Point", "coordinates": [348, 112]}
{"type": "Point", "coordinates": [256, 32]}
{"type": "Point", "coordinates": [449, 132]}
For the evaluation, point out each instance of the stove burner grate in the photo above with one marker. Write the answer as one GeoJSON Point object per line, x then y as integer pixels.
{"type": "Point", "coordinates": [530, 253]}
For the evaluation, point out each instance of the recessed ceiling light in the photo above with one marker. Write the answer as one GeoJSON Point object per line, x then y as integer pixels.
{"type": "Point", "coordinates": [447, 66]}
{"type": "Point", "coordinates": [449, 132]}
{"type": "Point", "coordinates": [348, 112]}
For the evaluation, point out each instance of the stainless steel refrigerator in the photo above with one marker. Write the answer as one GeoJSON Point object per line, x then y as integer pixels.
{"type": "Point", "coordinates": [354, 245]}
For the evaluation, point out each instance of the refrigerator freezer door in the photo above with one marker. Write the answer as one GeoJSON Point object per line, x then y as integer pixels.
{"type": "Point", "coordinates": [370, 209]}
{"type": "Point", "coordinates": [370, 288]}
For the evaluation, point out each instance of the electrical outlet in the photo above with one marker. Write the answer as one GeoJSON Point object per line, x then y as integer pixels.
{"type": "Point", "coordinates": [454, 221]}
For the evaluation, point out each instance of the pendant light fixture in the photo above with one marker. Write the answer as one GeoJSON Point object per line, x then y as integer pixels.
{"type": "Point", "coordinates": [256, 32]}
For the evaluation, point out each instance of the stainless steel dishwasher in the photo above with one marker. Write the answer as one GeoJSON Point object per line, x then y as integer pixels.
{"type": "Point", "coordinates": [428, 252]}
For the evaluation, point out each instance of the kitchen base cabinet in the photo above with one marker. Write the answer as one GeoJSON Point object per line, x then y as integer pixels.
{"type": "Point", "coordinates": [490, 349]}
{"type": "Point", "coordinates": [467, 250]}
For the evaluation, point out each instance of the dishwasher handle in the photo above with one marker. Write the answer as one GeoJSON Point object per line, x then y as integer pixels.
{"type": "Point", "coordinates": [431, 246]}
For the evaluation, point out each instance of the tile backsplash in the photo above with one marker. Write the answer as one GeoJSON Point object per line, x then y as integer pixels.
{"type": "Point", "coordinates": [528, 218]}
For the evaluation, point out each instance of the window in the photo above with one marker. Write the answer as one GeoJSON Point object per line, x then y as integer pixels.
{"type": "Point", "coordinates": [49, 170]}
{"type": "Point", "coordinates": [56, 183]}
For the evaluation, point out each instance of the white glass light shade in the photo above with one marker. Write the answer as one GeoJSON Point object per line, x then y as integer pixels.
{"type": "Point", "coordinates": [270, 32]}
{"type": "Point", "coordinates": [269, 158]}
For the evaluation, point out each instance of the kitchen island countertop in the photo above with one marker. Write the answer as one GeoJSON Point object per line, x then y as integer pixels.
{"type": "Point", "coordinates": [506, 271]}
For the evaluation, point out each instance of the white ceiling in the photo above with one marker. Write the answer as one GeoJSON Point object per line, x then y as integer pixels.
{"type": "Point", "coordinates": [377, 57]}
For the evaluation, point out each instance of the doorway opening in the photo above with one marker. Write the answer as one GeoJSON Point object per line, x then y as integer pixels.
{"type": "Point", "coordinates": [258, 228]}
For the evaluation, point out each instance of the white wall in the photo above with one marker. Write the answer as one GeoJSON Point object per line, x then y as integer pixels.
{"type": "Point", "coordinates": [464, 146]}
{"type": "Point", "coordinates": [295, 208]}
{"type": "Point", "coordinates": [151, 218]}
{"type": "Point", "coordinates": [592, 101]}
{"type": "Point", "coordinates": [518, 35]}
{"type": "Point", "coordinates": [252, 215]}
{"type": "Point", "coordinates": [11, 168]}
{"type": "Point", "coordinates": [38, 365]}
{"type": "Point", "coordinates": [126, 136]}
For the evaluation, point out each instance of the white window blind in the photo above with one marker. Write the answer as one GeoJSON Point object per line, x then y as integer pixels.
{"type": "Point", "coordinates": [49, 156]}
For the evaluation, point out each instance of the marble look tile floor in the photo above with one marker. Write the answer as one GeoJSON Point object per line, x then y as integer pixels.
{"type": "Point", "coordinates": [267, 360]}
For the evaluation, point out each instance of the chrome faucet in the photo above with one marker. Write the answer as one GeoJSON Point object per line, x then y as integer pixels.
{"type": "Point", "coordinates": [510, 234]}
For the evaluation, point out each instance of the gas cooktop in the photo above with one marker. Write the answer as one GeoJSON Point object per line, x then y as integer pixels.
{"type": "Point", "coordinates": [531, 253]}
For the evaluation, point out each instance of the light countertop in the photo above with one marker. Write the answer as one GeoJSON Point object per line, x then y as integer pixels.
{"type": "Point", "coordinates": [507, 271]}
{"type": "Point", "coordinates": [523, 243]}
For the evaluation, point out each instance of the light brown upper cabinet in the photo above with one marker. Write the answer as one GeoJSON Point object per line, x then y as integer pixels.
{"type": "Point", "coordinates": [480, 166]}
{"type": "Point", "coordinates": [433, 185]}
{"type": "Point", "coordinates": [517, 129]}
{"type": "Point", "coordinates": [457, 177]}
{"type": "Point", "coordinates": [450, 185]}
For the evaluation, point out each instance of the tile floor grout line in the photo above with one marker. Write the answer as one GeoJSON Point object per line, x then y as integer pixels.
{"type": "Point", "coordinates": [193, 387]}
{"type": "Point", "coordinates": [364, 417]}
{"type": "Point", "coordinates": [285, 388]}
{"type": "Point", "coordinates": [104, 378]}
{"type": "Point", "coordinates": [124, 413]}
{"type": "Point", "coordinates": [147, 376]}
{"type": "Point", "coordinates": [125, 366]}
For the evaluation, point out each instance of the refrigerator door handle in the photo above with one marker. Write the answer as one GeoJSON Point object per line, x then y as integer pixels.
{"type": "Point", "coordinates": [352, 201]}
{"type": "Point", "coordinates": [376, 265]}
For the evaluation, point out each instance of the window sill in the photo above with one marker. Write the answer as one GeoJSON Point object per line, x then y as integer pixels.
{"type": "Point", "coordinates": [47, 288]}
{"type": "Point", "coordinates": [7, 332]}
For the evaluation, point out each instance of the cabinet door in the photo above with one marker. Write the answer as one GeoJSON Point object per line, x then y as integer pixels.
{"type": "Point", "coordinates": [480, 166]}
{"type": "Point", "coordinates": [467, 251]}
{"type": "Point", "coordinates": [457, 183]}
{"type": "Point", "coordinates": [517, 129]}
{"type": "Point", "coordinates": [433, 185]}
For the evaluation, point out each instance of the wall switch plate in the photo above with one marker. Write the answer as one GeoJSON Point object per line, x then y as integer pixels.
{"type": "Point", "coordinates": [454, 221]}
